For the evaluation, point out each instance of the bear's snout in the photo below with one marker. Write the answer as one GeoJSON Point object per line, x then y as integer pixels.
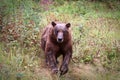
{"type": "Point", "coordinates": [60, 37]}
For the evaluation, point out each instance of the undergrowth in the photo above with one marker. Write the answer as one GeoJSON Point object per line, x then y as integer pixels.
{"type": "Point", "coordinates": [95, 33]}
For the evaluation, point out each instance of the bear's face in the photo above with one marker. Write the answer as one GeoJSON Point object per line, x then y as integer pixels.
{"type": "Point", "coordinates": [60, 31]}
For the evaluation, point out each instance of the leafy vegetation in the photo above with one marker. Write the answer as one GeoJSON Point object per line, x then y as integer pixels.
{"type": "Point", "coordinates": [95, 33]}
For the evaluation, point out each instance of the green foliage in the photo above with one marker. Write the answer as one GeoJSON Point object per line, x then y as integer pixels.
{"type": "Point", "coordinates": [95, 34]}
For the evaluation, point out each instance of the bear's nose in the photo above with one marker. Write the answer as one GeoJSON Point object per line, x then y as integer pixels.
{"type": "Point", "coordinates": [60, 40]}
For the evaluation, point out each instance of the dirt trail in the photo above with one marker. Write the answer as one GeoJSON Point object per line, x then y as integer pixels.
{"type": "Point", "coordinates": [76, 72]}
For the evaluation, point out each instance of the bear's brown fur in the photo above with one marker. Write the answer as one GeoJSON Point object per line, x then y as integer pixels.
{"type": "Point", "coordinates": [56, 41]}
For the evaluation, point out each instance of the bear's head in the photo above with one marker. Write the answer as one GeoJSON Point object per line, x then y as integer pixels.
{"type": "Point", "coordinates": [61, 31]}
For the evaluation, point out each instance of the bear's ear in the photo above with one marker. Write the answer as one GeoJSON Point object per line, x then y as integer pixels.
{"type": "Point", "coordinates": [53, 23]}
{"type": "Point", "coordinates": [68, 25]}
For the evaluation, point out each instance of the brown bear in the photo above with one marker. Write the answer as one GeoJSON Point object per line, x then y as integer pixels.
{"type": "Point", "coordinates": [56, 41]}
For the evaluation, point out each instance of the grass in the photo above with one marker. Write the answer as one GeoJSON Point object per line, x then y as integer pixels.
{"type": "Point", "coordinates": [95, 33]}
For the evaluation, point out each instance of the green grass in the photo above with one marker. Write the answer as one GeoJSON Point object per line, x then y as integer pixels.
{"type": "Point", "coordinates": [95, 33]}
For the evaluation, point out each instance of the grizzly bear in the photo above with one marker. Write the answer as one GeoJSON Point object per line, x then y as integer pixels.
{"type": "Point", "coordinates": [55, 41]}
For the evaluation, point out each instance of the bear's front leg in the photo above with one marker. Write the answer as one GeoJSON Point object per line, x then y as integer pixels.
{"type": "Point", "coordinates": [51, 61]}
{"type": "Point", "coordinates": [66, 60]}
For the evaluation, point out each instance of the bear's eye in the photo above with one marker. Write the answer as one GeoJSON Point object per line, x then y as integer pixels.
{"type": "Point", "coordinates": [56, 31]}
{"type": "Point", "coordinates": [65, 32]}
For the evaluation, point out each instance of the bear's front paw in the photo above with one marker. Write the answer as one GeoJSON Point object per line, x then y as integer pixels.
{"type": "Point", "coordinates": [63, 69]}
{"type": "Point", "coordinates": [54, 70]}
